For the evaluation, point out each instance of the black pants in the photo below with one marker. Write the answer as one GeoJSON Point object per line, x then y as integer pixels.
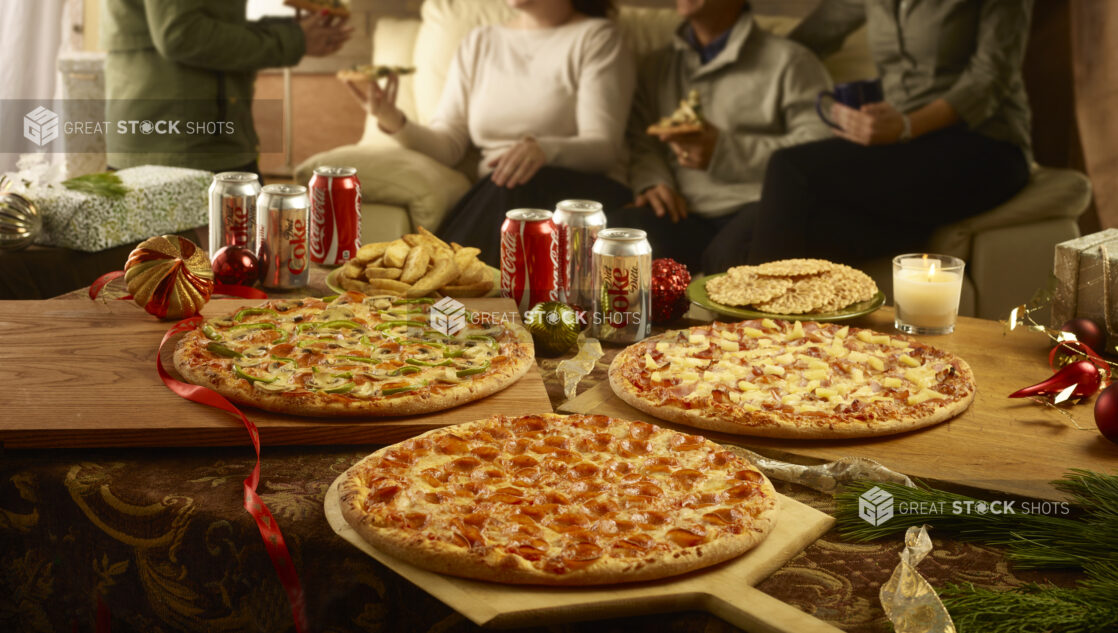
{"type": "Point", "coordinates": [476, 219]}
{"type": "Point", "coordinates": [845, 202]}
{"type": "Point", "coordinates": [702, 244]}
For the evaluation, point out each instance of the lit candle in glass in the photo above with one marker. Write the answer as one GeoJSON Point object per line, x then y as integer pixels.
{"type": "Point", "coordinates": [926, 291]}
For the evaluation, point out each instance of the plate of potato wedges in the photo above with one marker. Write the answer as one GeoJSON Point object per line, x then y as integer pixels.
{"type": "Point", "coordinates": [416, 265]}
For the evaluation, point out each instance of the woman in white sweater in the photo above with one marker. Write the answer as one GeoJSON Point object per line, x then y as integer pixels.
{"type": "Point", "coordinates": [545, 97]}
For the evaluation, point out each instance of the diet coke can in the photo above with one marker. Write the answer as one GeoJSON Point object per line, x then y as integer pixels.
{"type": "Point", "coordinates": [233, 210]}
{"type": "Point", "coordinates": [578, 223]}
{"type": "Point", "coordinates": [282, 218]}
{"type": "Point", "coordinates": [622, 305]}
{"type": "Point", "coordinates": [335, 215]}
{"type": "Point", "coordinates": [529, 258]}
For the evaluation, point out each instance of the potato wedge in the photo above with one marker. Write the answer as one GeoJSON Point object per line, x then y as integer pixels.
{"type": "Point", "coordinates": [391, 286]}
{"type": "Point", "coordinates": [434, 241]}
{"type": "Point", "coordinates": [474, 272]}
{"type": "Point", "coordinates": [396, 254]}
{"type": "Point", "coordinates": [479, 289]}
{"type": "Point", "coordinates": [369, 252]}
{"type": "Point", "coordinates": [353, 269]}
{"type": "Point", "coordinates": [440, 274]}
{"type": "Point", "coordinates": [413, 240]}
{"type": "Point", "coordinates": [359, 286]}
{"type": "Point", "coordinates": [376, 272]}
{"type": "Point", "coordinates": [415, 266]}
{"type": "Point", "coordinates": [464, 256]}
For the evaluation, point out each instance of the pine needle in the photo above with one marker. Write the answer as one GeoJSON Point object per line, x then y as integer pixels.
{"type": "Point", "coordinates": [106, 184]}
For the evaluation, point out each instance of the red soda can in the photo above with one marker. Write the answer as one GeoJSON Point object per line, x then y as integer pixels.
{"type": "Point", "coordinates": [335, 194]}
{"type": "Point", "coordinates": [529, 258]}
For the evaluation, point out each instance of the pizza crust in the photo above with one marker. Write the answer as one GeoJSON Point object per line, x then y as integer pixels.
{"type": "Point", "coordinates": [499, 564]}
{"type": "Point", "coordinates": [776, 425]}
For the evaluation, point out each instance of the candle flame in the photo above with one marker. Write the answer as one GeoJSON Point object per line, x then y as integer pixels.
{"type": "Point", "coordinates": [931, 270]}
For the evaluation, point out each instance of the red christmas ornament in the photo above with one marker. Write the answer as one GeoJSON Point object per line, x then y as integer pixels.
{"type": "Point", "coordinates": [1087, 332]}
{"type": "Point", "coordinates": [669, 290]}
{"type": "Point", "coordinates": [1106, 413]}
{"type": "Point", "coordinates": [236, 266]}
{"type": "Point", "coordinates": [1083, 374]}
{"type": "Point", "coordinates": [169, 276]}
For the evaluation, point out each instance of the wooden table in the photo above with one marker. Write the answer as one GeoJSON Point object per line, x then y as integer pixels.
{"type": "Point", "coordinates": [1013, 446]}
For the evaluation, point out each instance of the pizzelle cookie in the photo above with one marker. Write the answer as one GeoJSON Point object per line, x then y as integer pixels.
{"type": "Point", "coordinates": [558, 500]}
{"type": "Point", "coordinates": [792, 286]}
{"type": "Point", "coordinates": [741, 288]}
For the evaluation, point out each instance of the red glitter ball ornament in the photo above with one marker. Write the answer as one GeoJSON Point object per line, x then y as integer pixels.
{"type": "Point", "coordinates": [1106, 412]}
{"type": "Point", "coordinates": [236, 266]}
{"type": "Point", "coordinates": [669, 290]}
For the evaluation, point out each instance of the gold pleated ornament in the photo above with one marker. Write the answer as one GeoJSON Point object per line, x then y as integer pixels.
{"type": "Point", "coordinates": [169, 276]}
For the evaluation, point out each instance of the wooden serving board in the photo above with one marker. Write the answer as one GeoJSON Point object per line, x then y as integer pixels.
{"type": "Point", "coordinates": [82, 374]}
{"type": "Point", "coordinates": [726, 590]}
{"type": "Point", "coordinates": [1013, 446]}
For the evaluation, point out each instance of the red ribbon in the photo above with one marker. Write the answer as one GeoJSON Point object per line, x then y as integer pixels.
{"type": "Point", "coordinates": [244, 292]}
{"type": "Point", "coordinates": [265, 522]}
{"type": "Point", "coordinates": [1079, 347]}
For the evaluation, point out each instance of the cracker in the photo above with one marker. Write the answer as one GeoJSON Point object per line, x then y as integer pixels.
{"type": "Point", "coordinates": [744, 289]}
{"type": "Point", "coordinates": [793, 267]}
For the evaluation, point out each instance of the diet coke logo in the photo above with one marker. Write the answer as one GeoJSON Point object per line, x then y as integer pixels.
{"type": "Point", "coordinates": [618, 284]}
{"type": "Point", "coordinates": [318, 218]}
{"type": "Point", "coordinates": [297, 237]}
{"type": "Point", "coordinates": [237, 224]}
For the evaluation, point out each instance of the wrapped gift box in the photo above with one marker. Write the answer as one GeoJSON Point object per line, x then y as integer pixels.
{"type": "Point", "coordinates": [1086, 272]}
{"type": "Point", "coordinates": [160, 200]}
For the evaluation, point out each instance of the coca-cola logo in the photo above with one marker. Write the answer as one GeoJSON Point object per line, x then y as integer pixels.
{"type": "Point", "coordinates": [508, 263]}
{"type": "Point", "coordinates": [556, 276]}
{"type": "Point", "coordinates": [297, 263]}
{"type": "Point", "coordinates": [318, 218]}
{"type": "Point", "coordinates": [238, 224]}
{"type": "Point", "coordinates": [620, 281]}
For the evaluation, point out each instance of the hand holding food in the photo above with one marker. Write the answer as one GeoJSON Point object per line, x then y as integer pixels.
{"type": "Point", "coordinates": [417, 265]}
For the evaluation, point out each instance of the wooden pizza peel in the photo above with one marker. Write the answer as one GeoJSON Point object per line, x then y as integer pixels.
{"type": "Point", "coordinates": [725, 590]}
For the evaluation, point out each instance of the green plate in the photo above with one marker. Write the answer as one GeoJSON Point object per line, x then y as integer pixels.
{"type": "Point", "coordinates": [697, 294]}
{"type": "Point", "coordinates": [332, 281]}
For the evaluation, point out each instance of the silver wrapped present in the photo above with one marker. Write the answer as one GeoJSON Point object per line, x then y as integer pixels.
{"type": "Point", "coordinates": [1086, 271]}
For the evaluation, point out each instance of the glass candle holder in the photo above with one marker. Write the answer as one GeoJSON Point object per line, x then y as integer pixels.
{"type": "Point", "coordinates": [926, 291]}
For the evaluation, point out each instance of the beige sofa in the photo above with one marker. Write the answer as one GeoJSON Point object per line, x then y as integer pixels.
{"type": "Point", "coordinates": [1008, 250]}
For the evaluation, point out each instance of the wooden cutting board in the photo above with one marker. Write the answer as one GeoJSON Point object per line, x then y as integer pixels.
{"type": "Point", "coordinates": [1007, 445]}
{"type": "Point", "coordinates": [82, 374]}
{"type": "Point", "coordinates": [726, 590]}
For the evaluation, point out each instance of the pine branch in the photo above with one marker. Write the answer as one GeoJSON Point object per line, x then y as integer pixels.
{"type": "Point", "coordinates": [1031, 540]}
{"type": "Point", "coordinates": [105, 184]}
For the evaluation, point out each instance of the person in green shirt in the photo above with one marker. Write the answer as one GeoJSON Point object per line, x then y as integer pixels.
{"type": "Point", "coordinates": [179, 77]}
{"type": "Point", "coordinates": [950, 140]}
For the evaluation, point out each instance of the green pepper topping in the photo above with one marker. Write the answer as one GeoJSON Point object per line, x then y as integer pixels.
{"type": "Point", "coordinates": [462, 373]}
{"type": "Point", "coordinates": [398, 302]}
{"type": "Point", "coordinates": [445, 363]}
{"type": "Point", "coordinates": [346, 388]}
{"type": "Point", "coordinates": [221, 350]}
{"type": "Point", "coordinates": [485, 337]}
{"type": "Point", "coordinates": [333, 325]}
{"type": "Point", "coordinates": [397, 323]}
{"type": "Point", "coordinates": [210, 332]}
{"type": "Point", "coordinates": [405, 370]}
{"type": "Point", "coordinates": [344, 374]}
{"type": "Point", "coordinates": [247, 312]}
{"type": "Point", "coordinates": [395, 390]}
{"type": "Point", "coordinates": [240, 372]}
{"type": "Point", "coordinates": [282, 359]}
{"type": "Point", "coordinates": [329, 298]}
{"type": "Point", "coordinates": [360, 359]}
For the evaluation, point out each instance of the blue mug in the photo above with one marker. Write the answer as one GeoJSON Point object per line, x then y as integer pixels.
{"type": "Point", "coordinates": [854, 94]}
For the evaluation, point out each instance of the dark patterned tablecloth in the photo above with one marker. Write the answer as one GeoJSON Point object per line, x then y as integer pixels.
{"type": "Point", "coordinates": [157, 541]}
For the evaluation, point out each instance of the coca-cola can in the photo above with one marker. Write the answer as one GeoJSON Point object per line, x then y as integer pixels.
{"type": "Point", "coordinates": [335, 215]}
{"type": "Point", "coordinates": [578, 223]}
{"type": "Point", "coordinates": [529, 258]}
{"type": "Point", "coordinates": [622, 302]}
{"type": "Point", "coordinates": [283, 216]}
{"type": "Point", "coordinates": [233, 210]}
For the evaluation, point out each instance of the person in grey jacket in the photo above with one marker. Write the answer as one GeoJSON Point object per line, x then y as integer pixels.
{"type": "Point", "coordinates": [757, 93]}
{"type": "Point", "coordinates": [950, 140]}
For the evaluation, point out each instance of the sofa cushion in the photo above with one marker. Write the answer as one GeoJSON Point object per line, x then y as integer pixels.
{"type": "Point", "coordinates": [401, 177]}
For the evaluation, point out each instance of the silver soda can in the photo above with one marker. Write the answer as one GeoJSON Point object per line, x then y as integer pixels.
{"type": "Point", "coordinates": [622, 301]}
{"type": "Point", "coordinates": [233, 210]}
{"type": "Point", "coordinates": [282, 220]}
{"type": "Point", "coordinates": [578, 222]}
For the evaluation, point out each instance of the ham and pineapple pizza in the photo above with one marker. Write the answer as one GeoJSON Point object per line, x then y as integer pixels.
{"type": "Point", "coordinates": [792, 379]}
{"type": "Point", "coordinates": [354, 356]}
{"type": "Point", "coordinates": [558, 500]}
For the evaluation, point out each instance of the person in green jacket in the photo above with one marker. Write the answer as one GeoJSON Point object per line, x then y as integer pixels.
{"type": "Point", "coordinates": [179, 78]}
